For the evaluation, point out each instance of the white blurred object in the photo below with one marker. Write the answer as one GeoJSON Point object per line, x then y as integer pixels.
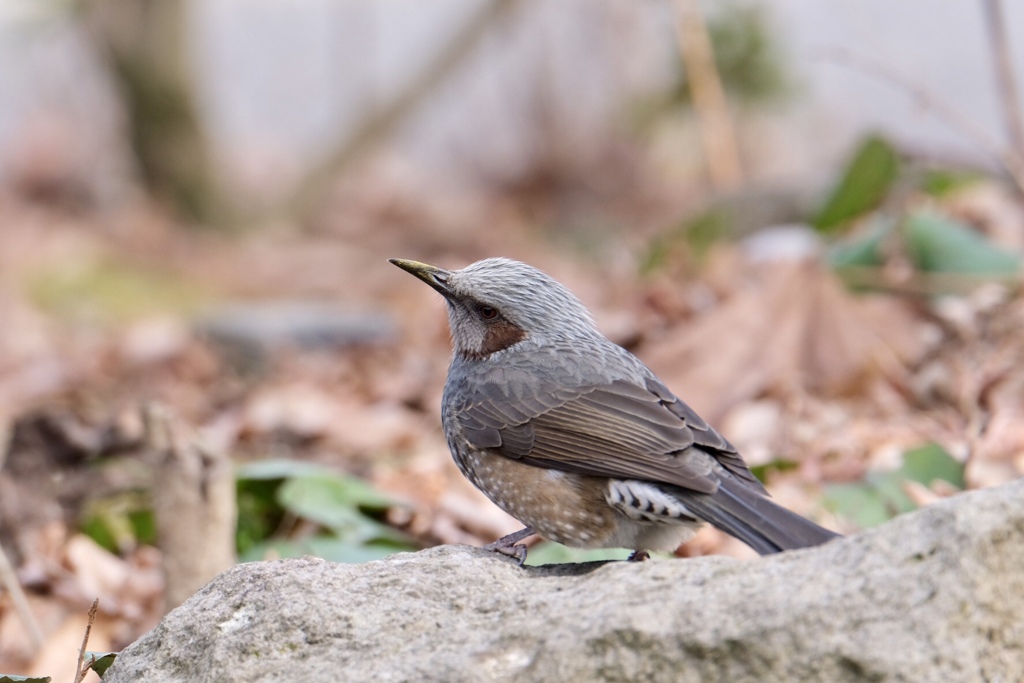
{"type": "Point", "coordinates": [280, 82]}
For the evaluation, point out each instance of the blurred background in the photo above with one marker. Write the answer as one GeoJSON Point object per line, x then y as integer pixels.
{"type": "Point", "coordinates": [806, 217]}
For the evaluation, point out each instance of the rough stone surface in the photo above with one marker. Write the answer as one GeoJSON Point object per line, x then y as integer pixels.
{"type": "Point", "coordinates": [937, 595]}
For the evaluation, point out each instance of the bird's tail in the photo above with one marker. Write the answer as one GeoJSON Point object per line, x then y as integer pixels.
{"type": "Point", "coordinates": [748, 515]}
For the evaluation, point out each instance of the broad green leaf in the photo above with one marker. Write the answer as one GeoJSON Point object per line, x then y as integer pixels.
{"type": "Point", "coordinates": [880, 496]}
{"type": "Point", "coordinates": [927, 463]}
{"type": "Point", "coordinates": [890, 488]}
{"type": "Point", "coordinates": [279, 468]}
{"type": "Point", "coordinates": [120, 521]}
{"type": "Point", "coordinates": [762, 472]}
{"type": "Point", "coordinates": [259, 513]}
{"type": "Point", "coordinates": [328, 548]}
{"type": "Point", "coordinates": [699, 233]}
{"type": "Point", "coordinates": [336, 502]}
{"type": "Point", "coordinates": [708, 228]}
{"type": "Point", "coordinates": [266, 489]}
{"type": "Point", "coordinates": [328, 491]}
{"type": "Point", "coordinates": [939, 244]}
{"type": "Point", "coordinates": [112, 289]}
{"type": "Point", "coordinates": [865, 183]}
{"type": "Point", "coordinates": [862, 250]}
{"type": "Point", "coordinates": [876, 499]}
{"type": "Point", "coordinates": [859, 502]}
{"type": "Point", "coordinates": [556, 553]}
{"type": "Point", "coordinates": [100, 661]}
{"type": "Point", "coordinates": [331, 500]}
{"type": "Point", "coordinates": [939, 182]}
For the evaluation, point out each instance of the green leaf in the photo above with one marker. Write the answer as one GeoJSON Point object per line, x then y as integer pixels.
{"type": "Point", "coordinates": [556, 553]}
{"type": "Point", "coordinates": [269, 489]}
{"type": "Point", "coordinates": [864, 250]}
{"type": "Point", "coordinates": [931, 462]}
{"type": "Point", "coordinates": [328, 548]}
{"type": "Point", "coordinates": [259, 513]}
{"type": "Point", "coordinates": [748, 52]}
{"type": "Point", "coordinates": [859, 502]}
{"type": "Point", "coordinates": [940, 182]}
{"type": "Point", "coordinates": [100, 661]}
{"type": "Point", "coordinates": [708, 228]}
{"type": "Point", "coordinates": [113, 290]}
{"type": "Point", "coordinates": [9, 678]}
{"type": "Point", "coordinates": [880, 496]}
{"type": "Point", "coordinates": [763, 471]}
{"type": "Point", "coordinates": [889, 486]}
{"type": "Point", "coordinates": [119, 522]}
{"type": "Point", "coordinates": [279, 468]}
{"type": "Point", "coordinates": [865, 183]}
{"type": "Point", "coordinates": [336, 501]}
{"type": "Point", "coordinates": [873, 501]}
{"type": "Point", "coordinates": [307, 494]}
{"type": "Point", "coordinates": [698, 233]}
{"type": "Point", "coordinates": [939, 244]}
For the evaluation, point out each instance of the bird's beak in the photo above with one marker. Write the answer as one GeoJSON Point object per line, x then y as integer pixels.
{"type": "Point", "coordinates": [438, 278]}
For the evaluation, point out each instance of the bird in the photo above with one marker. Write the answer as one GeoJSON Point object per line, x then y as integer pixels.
{"type": "Point", "coordinates": [574, 436]}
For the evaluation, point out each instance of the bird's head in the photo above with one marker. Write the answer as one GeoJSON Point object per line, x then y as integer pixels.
{"type": "Point", "coordinates": [497, 303]}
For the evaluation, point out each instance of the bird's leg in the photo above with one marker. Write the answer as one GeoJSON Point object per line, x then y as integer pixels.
{"type": "Point", "coordinates": [638, 556]}
{"type": "Point", "coordinates": [509, 545]}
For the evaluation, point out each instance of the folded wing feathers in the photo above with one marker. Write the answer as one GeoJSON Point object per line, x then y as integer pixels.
{"type": "Point", "coordinates": [619, 429]}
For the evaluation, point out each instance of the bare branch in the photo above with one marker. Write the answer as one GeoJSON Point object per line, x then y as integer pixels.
{"type": "Point", "coordinates": [1011, 162]}
{"type": "Point", "coordinates": [10, 582]}
{"type": "Point", "coordinates": [1002, 63]}
{"type": "Point", "coordinates": [8, 578]}
{"type": "Point", "coordinates": [82, 669]}
{"type": "Point", "coordinates": [378, 124]}
{"type": "Point", "coordinates": [716, 129]}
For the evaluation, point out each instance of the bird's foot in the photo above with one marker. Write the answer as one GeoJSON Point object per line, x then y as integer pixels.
{"type": "Point", "coordinates": [638, 556]}
{"type": "Point", "coordinates": [510, 546]}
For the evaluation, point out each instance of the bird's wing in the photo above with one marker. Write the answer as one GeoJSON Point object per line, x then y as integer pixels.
{"type": "Point", "coordinates": [705, 436]}
{"type": "Point", "coordinates": [618, 429]}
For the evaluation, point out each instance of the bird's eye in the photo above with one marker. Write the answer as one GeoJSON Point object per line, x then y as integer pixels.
{"type": "Point", "coordinates": [487, 312]}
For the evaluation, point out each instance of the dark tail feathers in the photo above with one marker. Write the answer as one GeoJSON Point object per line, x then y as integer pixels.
{"type": "Point", "coordinates": [748, 515]}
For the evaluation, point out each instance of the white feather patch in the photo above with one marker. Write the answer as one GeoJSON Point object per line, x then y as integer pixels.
{"type": "Point", "coordinates": [644, 502]}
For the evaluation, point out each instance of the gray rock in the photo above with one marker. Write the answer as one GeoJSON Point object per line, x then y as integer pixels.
{"type": "Point", "coordinates": [937, 595]}
{"type": "Point", "coordinates": [249, 332]}
{"type": "Point", "coordinates": [308, 324]}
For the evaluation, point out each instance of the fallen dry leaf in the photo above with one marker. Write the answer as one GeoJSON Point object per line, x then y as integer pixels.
{"type": "Point", "coordinates": [97, 573]}
{"type": "Point", "coordinates": [794, 329]}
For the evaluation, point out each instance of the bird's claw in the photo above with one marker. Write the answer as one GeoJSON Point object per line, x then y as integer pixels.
{"type": "Point", "coordinates": [517, 551]}
{"type": "Point", "coordinates": [638, 556]}
{"type": "Point", "coordinates": [510, 546]}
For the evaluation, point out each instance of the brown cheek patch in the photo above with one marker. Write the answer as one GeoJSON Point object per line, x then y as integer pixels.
{"type": "Point", "coordinates": [499, 336]}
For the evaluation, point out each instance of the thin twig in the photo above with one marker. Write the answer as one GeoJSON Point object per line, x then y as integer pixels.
{"type": "Point", "coordinates": [10, 581]}
{"type": "Point", "coordinates": [1010, 161]}
{"type": "Point", "coordinates": [380, 123]}
{"type": "Point", "coordinates": [1002, 62]}
{"type": "Point", "coordinates": [82, 669]}
{"type": "Point", "coordinates": [717, 133]}
{"type": "Point", "coordinates": [8, 578]}
{"type": "Point", "coordinates": [6, 433]}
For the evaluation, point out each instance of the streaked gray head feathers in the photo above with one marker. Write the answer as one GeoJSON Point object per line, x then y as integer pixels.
{"type": "Point", "coordinates": [496, 303]}
{"type": "Point", "coordinates": [528, 297]}
{"type": "Point", "coordinates": [525, 298]}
